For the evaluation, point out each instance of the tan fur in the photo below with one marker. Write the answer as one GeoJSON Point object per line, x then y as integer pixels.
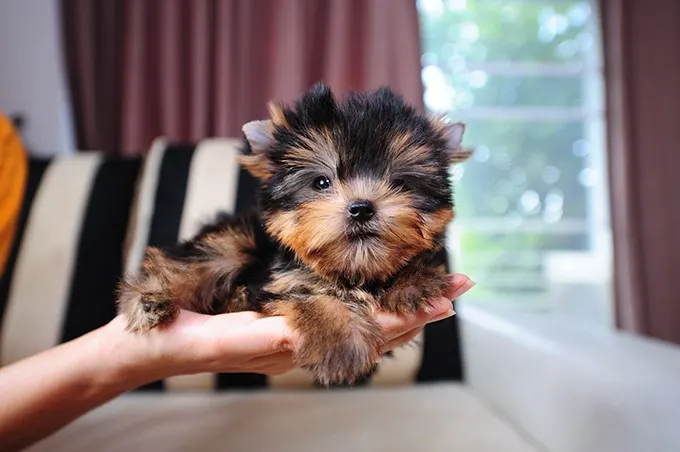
{"type": "Point", "coordinates": [439, 122]}
{"type": "Point", "coordinates": [163, 286]}
{"type": "Point", "coordinates": [340, 340]}
{"type": "Point", "coordinates": [405, 155]}
{"type": "Point", "coordinates": [146, 298]}
{"type": "Point", "coordinates": [458, 154]}
{"type": "Point", "coordinates": [258, 165]}
{"type": "Point", "coordinates": [299, 282]}
{"type": "Point", "coordinates": [277, 115]}
{"type": "Point", "coordinates": [414, 288]}
{"type": "Point", "coordinates": [318, 150]}
{"type": "Point", "coordinates": [295, 281]}
{"type": "Point", "coordinates": [338, 345]}
{"type": "Point", "coordinates": [436, 222]}
{"type": "Point", "coordinates": [317, 231]}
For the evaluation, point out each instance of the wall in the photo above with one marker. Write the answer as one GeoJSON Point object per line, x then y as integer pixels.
{"type": "Point", "coordinates": [32, 77]}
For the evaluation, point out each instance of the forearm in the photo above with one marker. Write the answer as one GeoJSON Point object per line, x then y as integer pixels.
{"type": "Point", "coordinates": [47, 391]}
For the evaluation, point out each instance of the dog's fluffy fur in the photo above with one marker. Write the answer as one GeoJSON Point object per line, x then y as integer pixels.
{"type": "Point", "coordinates": [303, 255]}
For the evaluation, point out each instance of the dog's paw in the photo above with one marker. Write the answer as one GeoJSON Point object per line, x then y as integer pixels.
{"type": "Point", "coordinates": [412, 291]}
{"type": "Point", "coordinates": [145, 308]}
{"type": "Point", "coordinates": [150, 314]}
{"type": "Point", "coordinates": [341, 363]}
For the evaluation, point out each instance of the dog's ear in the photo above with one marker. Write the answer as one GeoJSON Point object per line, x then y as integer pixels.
{"type": "Point", "coordinates": [260, 138]}
{"type": "Point", "coordinates": [453, 134]}
{"type": "Point", "coordinates": [260, 135]}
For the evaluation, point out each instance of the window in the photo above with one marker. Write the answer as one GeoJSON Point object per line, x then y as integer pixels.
{"type": "Point", "coordinates": [532, 224]}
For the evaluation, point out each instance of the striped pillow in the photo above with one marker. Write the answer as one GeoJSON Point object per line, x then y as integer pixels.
{"type": "Point", "coordinates": [66, 258]}
{"type": "Point", "coordinates": [88, 218]}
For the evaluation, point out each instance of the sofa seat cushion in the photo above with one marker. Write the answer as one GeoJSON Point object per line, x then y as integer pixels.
{"type": "Point", "coordinates": [443, 417]}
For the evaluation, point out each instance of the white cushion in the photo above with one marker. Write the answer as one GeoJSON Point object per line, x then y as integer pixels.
{"type": "Point", "coordinates": [445, 417]}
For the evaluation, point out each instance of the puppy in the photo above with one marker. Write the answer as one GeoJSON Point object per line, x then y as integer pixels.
{"type": "Point", "coordinates": [355, 197]}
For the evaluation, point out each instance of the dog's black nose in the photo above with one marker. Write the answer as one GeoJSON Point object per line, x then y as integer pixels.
{"type": "Point", "coordinates": [361, 210]}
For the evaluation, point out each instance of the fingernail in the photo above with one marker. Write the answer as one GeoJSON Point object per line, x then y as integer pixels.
{"type": "Point", "coordinates": [443, 316]}
{"type": "Point", "coordinates": [458, 279]}
{"type": "Point", "coordinates": [469, 284]}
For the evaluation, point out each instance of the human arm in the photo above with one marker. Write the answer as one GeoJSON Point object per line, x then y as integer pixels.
{"type": "Point", "coordinates": [45, 392]}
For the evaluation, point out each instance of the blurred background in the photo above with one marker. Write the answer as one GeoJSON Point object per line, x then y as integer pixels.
{"type": "Point", "coordinates": [527, 77]}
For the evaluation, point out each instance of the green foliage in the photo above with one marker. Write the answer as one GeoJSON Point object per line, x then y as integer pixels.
{"type": "Point", "coordinates": [507, 30]}
{"type": "Point", "coordinates": [522, 57]}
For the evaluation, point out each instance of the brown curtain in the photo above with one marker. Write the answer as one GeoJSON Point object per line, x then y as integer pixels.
{"type": "Point", "coordinates": [641, 42]}
{"type": "Point", "coordinates": [189, 69]}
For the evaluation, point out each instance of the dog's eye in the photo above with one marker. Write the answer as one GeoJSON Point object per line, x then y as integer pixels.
{"type": "Point", "coordinates": [322, 183]}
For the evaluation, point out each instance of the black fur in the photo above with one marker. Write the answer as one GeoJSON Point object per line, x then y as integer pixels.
{"type": "Point", "coordinates": [363, 126]}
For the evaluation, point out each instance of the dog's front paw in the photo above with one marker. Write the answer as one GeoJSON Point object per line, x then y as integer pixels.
{"type": "Point", "coordinates": [150, 314]}
{"type": "Point", "coordinates": [412, 291]}
{"type": "Point", "coordinates": [145, 309]}
{"type": "Point", "coordinates": [343, 362]}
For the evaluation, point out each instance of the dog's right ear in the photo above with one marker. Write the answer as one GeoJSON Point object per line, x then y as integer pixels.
{"type": "Point", "coordinates": [260, 137]}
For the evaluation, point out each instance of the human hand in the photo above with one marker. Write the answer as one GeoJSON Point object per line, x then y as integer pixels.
{"type": "Point", "coordinates": [402, 329]}
{"type": "Point", "coordinates": [249, 342]}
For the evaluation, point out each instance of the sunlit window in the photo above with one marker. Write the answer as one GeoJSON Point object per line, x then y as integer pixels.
{"type": "Point", "coordinates": [526, 76]}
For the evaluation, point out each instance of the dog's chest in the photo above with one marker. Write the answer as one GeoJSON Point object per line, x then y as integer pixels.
{"type": "Point", "coordinates": [299, 283]}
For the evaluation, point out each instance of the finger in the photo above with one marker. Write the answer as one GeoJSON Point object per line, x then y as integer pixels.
{"type": "Point", "coordinates": [275, 364]}
{"type": "Point", "coordinates": [275, 370]}
{"type": "Point", "coordinates": [394, 325]}
{"type": "Point", "coordinates": [281, 358]}
{"type": "Point", "coordinates": [459, 284]}
{"type": "Point", "coordinates": [402, 340]}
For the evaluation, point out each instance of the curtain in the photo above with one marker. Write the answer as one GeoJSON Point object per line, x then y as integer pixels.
{"type": "Point", "coordinates": [642, 65]}
{"type": "Point", "coordinates": [190, 69]}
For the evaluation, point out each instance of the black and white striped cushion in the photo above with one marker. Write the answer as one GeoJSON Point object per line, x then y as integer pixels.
{"type": "Point", "coordinates": [87, 219]}
{"type": "Point", "coordinates": [66, 258]}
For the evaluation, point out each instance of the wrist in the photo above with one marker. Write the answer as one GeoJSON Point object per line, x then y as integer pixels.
{"type": "Point", "coordinates": [140, 358]}
{"type": "Point", "coordinates": [129, 361]}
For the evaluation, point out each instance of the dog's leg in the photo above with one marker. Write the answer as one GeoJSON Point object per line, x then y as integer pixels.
{"type": "Point", "coordinates": [146, 298]}
{"type": "Point", "coordinates": [413, 288]}
{"type": "Point", "coordinates": [198, 275]}
{"type": "Point", "coordinates": [337, 344]}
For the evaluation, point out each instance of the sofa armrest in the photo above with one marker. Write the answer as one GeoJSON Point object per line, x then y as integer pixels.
{"type": "Point", "coordinates": [573, 388]}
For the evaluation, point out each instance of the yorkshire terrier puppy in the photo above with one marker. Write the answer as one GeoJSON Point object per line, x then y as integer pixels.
{"type": "Point", "coordinates": [355, 198]}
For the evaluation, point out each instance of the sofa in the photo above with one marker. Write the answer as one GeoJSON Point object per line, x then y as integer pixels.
{"type": "Point", "coordinates": [479, 381]}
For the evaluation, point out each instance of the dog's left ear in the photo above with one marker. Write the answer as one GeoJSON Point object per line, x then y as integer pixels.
{"type": "Point", "coordinates": [453, 134]}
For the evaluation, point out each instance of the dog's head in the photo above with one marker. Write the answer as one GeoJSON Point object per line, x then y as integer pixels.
{"type": "Point", "coordinates": [354, 188]}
